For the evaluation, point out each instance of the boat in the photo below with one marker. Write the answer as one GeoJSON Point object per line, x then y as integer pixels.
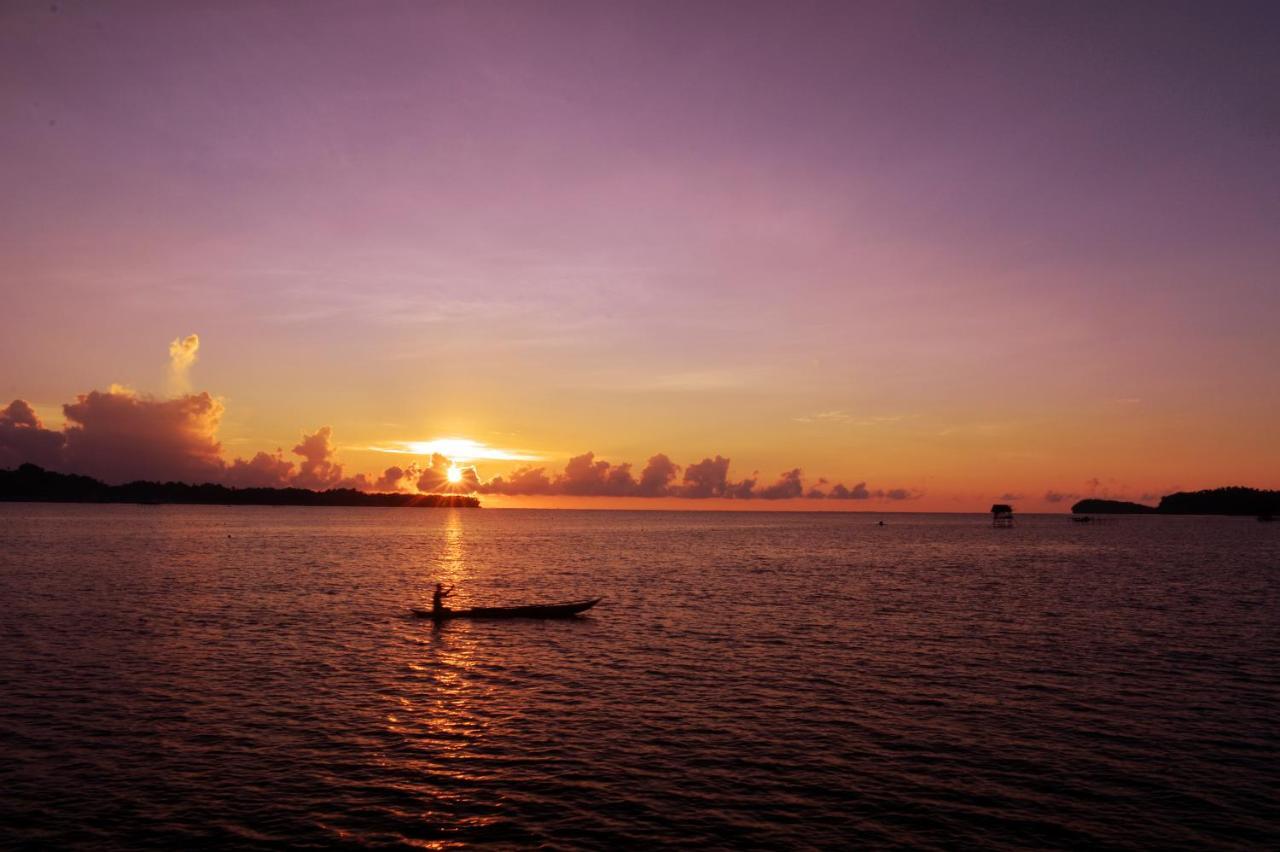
{"type": "Point", "coordinates": [555, 610]}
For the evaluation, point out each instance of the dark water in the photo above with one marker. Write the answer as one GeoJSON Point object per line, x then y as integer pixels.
{"type": "Point", "coordinates": [176, 675]}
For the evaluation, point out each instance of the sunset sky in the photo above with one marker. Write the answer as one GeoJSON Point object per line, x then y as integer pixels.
{"type": "Point", "coordinates": [1024, 251]}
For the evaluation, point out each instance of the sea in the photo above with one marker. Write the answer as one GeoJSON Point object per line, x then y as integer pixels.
{"type": "Point", "coordinates": [252, 677]}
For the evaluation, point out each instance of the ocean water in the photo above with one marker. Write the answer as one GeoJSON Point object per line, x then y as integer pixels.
{"type": "Point", "coordinates": [173, 676]}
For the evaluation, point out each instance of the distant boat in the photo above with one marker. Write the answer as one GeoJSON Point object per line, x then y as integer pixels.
{"type": "Point", "coordinates": [556, 610]}
{"type": "Point", "coordinates": [1266, 517]}
{"type": "Point", "coordinates": [1081, 519]}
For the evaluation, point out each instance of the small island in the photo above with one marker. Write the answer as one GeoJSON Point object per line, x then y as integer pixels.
{"type": "Point", "coordinates": [1234, 500]}
{"type": "Point", "coordinates": [1094, 506]}
{"type": "Point", "coordinates": [30, 483]}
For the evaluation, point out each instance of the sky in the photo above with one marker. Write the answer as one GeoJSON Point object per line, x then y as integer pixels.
{"type": "Point", "coordinates": [938, 254]}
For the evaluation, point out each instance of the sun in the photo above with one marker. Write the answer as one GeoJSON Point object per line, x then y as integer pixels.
{"type": "Point", "coordinates": [454, 474]}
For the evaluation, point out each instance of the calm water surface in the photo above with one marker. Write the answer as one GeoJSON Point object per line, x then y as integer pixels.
{"type": "Point", "coordinates": [180, 675]}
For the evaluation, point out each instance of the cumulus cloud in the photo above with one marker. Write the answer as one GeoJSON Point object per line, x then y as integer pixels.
{"type": "Point", "coordinates": [857, 492]}
{"type": "Point", "coordinates": [318, 469]}
{"type": "Point", "coordinates": [710, 478]}
{"type": "Point", "coordinates": [657, 476]}
{"type": "Point", "coordinates": [789, 485]}
{"type": "Point", "coordinates": [396, 478]}
{"type": "Point", "coordinates": [121, 435]}
{"type": "Point", "coordinates": [525, 481]}
{"type": "Point", "coordinates": [264, 470]}
{"type": "Point", "coordinates": [587, 475]}
{"type": "Point", "coordinates": [861, 492]}
{"type": "Point", "coordinates": [359, 482]}
{"type": "Point", "coordinates": [434, 477]}
{"type": "Point", "coordinates": [182, 354]}
{"type": "Point", "coordinates": [584, 476]}
{"type": "Point", "coordinates": [23, 438]}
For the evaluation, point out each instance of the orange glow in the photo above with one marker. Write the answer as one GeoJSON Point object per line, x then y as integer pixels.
{"type": "Point", "coordinates": [454, 474]}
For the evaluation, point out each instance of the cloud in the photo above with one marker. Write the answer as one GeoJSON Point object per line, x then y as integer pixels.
{"type": "Point", "coordinates": [457, 449]}
{"type": "Point", "coordinates": [396, 478]}
{"type": "Point", "coordinates": [264, 470]}
{"type": "Point", "coordinates": [120, 435]}
{"type": "Point", "coordinates": [816, 492]}
{"type": "Point", "coordinates": [1052, 496]}
{"type": "Point", "coordinates": [19, 413]}
{"type": "Point", "coordinates": [1009, 495]}
{"type": "Point", "coordinates": [861, 492]}
{"type": "Point", "coordinates": [710, 478]}
{"type": "Point", "coordinates": [824, 417]}
{"type": "Point", "coordinates": [584, 476]}
{"type": "Point", "coordinates": [359, 482]}
{"type": "Point", "coordinates": [318, 469]}
{"type": "Point", "coordinates": [857, 492]}
{"type": "Point", "coordinates": [182, 354]}
{"type": "Point", "coordinates": [529, 481]}
{"type": "Point", "coordinates": [587, 475]}
{"type": "Point", "coordinates": [657, 476]}
{"type": "Point", "coordinates": [789, 486]}
{"type": "Point", "coordinates": [23, 438]}
{"type": "Point", "coordinates": [434, 477]}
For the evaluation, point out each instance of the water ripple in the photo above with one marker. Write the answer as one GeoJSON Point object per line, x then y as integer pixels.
{"type": "Point", "coordinates": [180, 676]}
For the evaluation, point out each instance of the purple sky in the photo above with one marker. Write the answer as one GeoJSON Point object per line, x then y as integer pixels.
{"type": "Point", "coordinates": [967, 233]}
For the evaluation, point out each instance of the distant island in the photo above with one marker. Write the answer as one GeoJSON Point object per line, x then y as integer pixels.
{"type": "Point", "coordinates": [29, 483]}
{"type": "Point", "coordinates": [1212, 501]}
{"type": "Point", "coordinates": [1093, 506]}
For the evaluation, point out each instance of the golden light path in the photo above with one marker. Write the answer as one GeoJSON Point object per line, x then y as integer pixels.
{"type": "Point", "coordinates": [456, 450]}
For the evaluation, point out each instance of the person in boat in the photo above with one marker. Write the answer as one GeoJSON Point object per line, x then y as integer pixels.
{"type": "Point", "coordinates": [437, 599]}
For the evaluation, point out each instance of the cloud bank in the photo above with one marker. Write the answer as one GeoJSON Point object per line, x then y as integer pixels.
{"type": "Point", "coordinates": [120, 435]}
{"type": "Point", "coordinates": [585, 475]}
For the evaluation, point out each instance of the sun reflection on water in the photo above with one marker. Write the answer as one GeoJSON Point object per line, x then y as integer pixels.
{"type": "Point", "coordinates": [439, 709]}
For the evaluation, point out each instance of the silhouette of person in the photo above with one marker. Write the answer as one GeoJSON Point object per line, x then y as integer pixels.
{"type": "Point", "coordinates": [437, 599]}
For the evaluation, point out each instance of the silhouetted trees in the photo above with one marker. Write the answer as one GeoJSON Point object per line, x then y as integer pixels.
{"type": "Point", "coordinates": [1234, 500]}
{"type": "Point", "coordinates": [1098, 506]}
{"type": "Point", "coordinates": [31, 483]}
{"type": "Point", "coordinates": [1222, 501]}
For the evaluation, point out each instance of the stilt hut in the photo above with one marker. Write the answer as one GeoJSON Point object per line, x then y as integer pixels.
{"type": "Point", "coordinates": [1001, 515]}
